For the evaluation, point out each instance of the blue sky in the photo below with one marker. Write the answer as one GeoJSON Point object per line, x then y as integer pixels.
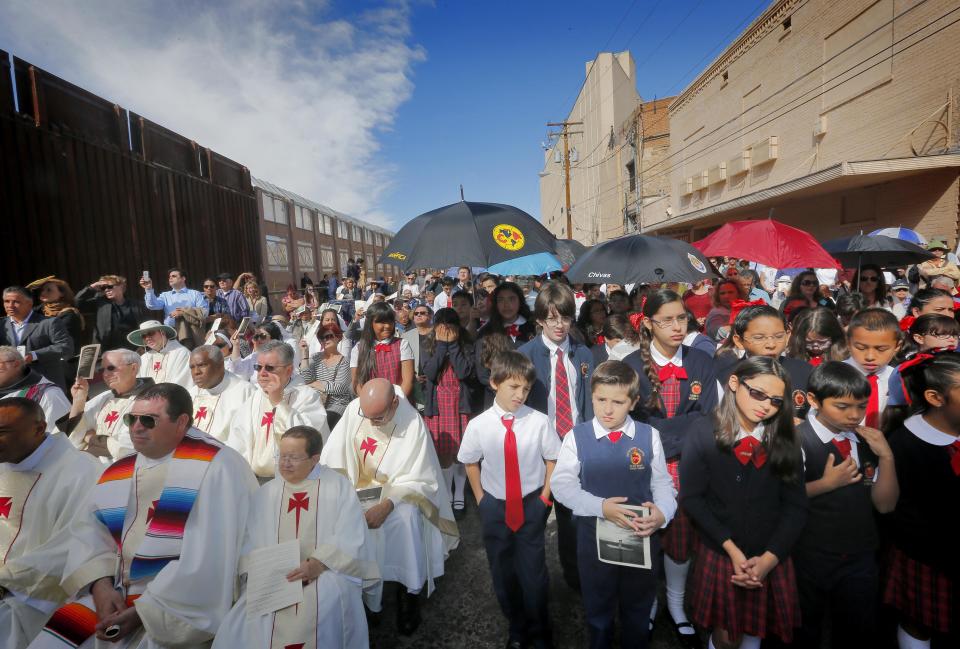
{"type": "Point", "coordinates": [377, 108]}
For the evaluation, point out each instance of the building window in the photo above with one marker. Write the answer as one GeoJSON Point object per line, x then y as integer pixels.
{"type": "Point", "coordinates": [342, 230]}
{"type": "Point", "coordinates": [304, 218]}
{"type": "Point", "coordinates": [326, 259]}
{"type": "Point", "coordinates": [787, 23]}
{"type": "Point", "coordinates": [279, 211]}
{"type": "Point", "coordinates": [356, 233]}
{"type": "Point", "coordinates": [277, 256]}
{"type": "Point", "coordinates": [267, 202]}
{"type": "Point", "coordinates": [632, 176]}
{"type": "Point", "coordinates": [326, 222]}
{"type": "Point", "coordinates": [370, 265]}
{"type": "Point", "coordinates": [305, 256]}
{"type": "Point", "coordinates": [344, 261]}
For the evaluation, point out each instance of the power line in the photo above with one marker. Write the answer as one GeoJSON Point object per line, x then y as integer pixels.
{"type": "Point", "coordinates": [671, 33]}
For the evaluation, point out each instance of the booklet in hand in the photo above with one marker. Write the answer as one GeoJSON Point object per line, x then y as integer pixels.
{"type": "Point", "coordinates": [87, 367]}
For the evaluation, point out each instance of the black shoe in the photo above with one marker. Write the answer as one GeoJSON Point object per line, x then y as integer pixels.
{"type": "Point", "coordinates": [690, 640]}
{"type": "Point", "coordinates": [408, 612]}
{"type": "Point", "coordinates": [514, 644]}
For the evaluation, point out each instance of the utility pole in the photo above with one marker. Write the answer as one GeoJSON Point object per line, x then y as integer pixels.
{"type": "Point", "coordinates": [564, 133]}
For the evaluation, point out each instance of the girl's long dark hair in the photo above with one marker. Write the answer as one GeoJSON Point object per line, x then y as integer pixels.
{"type": "Point", "coordinates": [495, 323]}
{"type": "Point", "coordinates": [880, 296]}
{"type": "Point", "coordinates": [655, 300]}
{"type": "Point", "coordinates": [443, 317]}
{"type": "Point", "coordinates": [585, 322]}
{"type": "Point", "coordinates": [822, 322]}
{"type": "Point", "coordinates": [779, 434]}
{"type": "Point", "coordinates": [366, 352]}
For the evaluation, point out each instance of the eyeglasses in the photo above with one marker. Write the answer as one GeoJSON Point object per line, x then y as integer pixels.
{"type": "Point", "coordinates": [809, 282]}
{"type": "Point", "coordinates": [818, 344]}
{"type": "Point", "coordinates": [113, 368]}
{"type": "Point", "coordinates": [666, 323]}
{"type": "Point", "coordinates": [268, 368]}
{"type": "Point", "coordinates": [897, 289]}
{"type": "Point", "coordinates": [261, 336]}
{"type": "Point", "coordinates": [758, 395]}
{"type": "Point", "coordinates": [290, 459]}
{"type": "Point", "coordinates": [759, 338]}
{"type": "Point", "coordinates": [943, 337]}
{"type": "Point", "coordinates": [870, 278]}
{"type": "Point", "coordinates": [562, 320]}
{"type": "Point", "coordinates": [209, 286]}
{"type": "Point", "coordinates": [148, 421]}
{"type": "Point", "coordinates": [382, 419]}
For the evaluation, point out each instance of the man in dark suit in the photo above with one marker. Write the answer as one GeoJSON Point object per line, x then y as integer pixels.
{"type": "Point", "coordinates": [117, 315]}
{"type": "Point", "coordinates": [45, 343]}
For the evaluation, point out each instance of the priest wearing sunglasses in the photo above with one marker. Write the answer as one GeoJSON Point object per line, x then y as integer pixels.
{"type": "Point", "coordinates": [281, 401]}
{"type": "Point", "coordinates": [140, 568]}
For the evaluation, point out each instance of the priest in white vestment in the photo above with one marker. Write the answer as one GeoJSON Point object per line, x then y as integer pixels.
{"type": "Point", "coordinates": [154, 551]}
{"type": "Point", "coordinates": [96, 425]}
{"type": "Point", "coordinates": [317, 507]}
{"type": "Point", "coordinates": [44, 481]}
{"type": "Point", "coordinates": [381, 441]}
{"type": "Point", "coordinates": [164, 360]}
{"type": "Point", "coordinates": [17, 379]}
{"type": "Point", "coordinates": [217, 394]}
{"type": "Point", "coordinates": [283, 401]}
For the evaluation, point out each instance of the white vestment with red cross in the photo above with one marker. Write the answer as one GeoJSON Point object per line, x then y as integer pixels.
{"type": "Point", "coordinates": [214, 408]}
{"type": "Point", "coordinates": [169, 365]}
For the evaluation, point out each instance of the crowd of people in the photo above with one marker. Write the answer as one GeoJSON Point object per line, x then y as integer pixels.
{"type": "Point", "coordinates": [779, 448]}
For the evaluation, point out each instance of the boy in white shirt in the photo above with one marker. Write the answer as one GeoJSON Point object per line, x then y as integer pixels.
{"type": "Point", "coordinates": [519, 447]}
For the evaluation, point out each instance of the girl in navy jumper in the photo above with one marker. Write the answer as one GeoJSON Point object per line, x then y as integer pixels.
{"type": "Point", "coordinates": [740, 482]}
{"type": "Point", "coordinates": [923, 569]}
{"type": "Point", "coordinates": [677, 388]}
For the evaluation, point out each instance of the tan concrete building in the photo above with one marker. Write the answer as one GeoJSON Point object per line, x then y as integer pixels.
{"type": "Point", "coordinates": [648, 134]}
{"type": "Point", "coordinates": [841, 117]}
{"type": "Point", "coordinates": [598, 177]}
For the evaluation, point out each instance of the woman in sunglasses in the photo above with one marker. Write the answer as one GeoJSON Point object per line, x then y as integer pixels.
{"type": "Point", "coordinates": [806, 288]}
{"type": "Point", "coordinates": [243, 367]}
{"type": "Point", "coordinates": [741, 484]}
{"type": "Point", "coordinates": [871, 283]}
{"type": "Point", "coordinates": [327, 372]}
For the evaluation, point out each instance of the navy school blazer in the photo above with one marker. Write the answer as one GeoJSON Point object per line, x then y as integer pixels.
{"type": "Point", "coordinates": [698, 398]}
{"type": "Point", "coordinates": [582, 360]}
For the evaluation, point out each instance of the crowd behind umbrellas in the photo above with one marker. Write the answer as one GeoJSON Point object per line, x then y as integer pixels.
{"type": "Point", "coordinates": [460, 321]}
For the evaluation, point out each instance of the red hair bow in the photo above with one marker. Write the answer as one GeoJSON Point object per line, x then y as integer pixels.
{"type": "Point", "coordinates": [918, 359]}
{"type": "Point", "coordinates": [906, 322]}
{"type": "Point", "coordinates": [739, 305]}
{"type": "Point", "coordinates": [635, 320]}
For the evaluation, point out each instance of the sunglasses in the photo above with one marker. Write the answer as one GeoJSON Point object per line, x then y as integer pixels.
{"type": "Point", "coordinates": [757, 395]}
{"type": "Point", "coordinates": [107, 287]}
{"type": "Point", "coordinates": [269, 368]}
{"type": "Point", "coordinates": [329, 337]}
{"type": "Point", "coordinates": [261, 336]}
{"type": "Point", "coordinates": [421, 313]}
{"type": "Point", "coordinates": [148, 421]}
{"type": "Point", "coordinates": [809, 282]}
{"type": "Point", "coordinates": [871, 278]}
{"type": "Point", "coordinates": [112, 368]}
{"type": "Point", "coordinates": [900, 288]}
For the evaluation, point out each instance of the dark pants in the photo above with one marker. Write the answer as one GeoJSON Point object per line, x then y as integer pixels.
{"type": "Point", "coordinates": [567, 545]}
{"type": "Point", "coordinates": [843, 585]}
{"type": "Point", "coordinates": [518, 567]}
{"type": "Point", "coordinates": [606, 589]}
{"type": "Point", "coordinates": [333, 418]}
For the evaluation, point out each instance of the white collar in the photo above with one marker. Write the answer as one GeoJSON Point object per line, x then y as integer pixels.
{"type": "Point", "coordinates": [315, 473]}
{"type": "Point", "coordinates": [756, 434]}
{"type": "Point", "coordinates": [501, 413]}
{"type": "Point", "coordinates": [662, 360]}
{"type": "Point", "coordinates": [553, 347]}
{"type": "Point", "coordinates": [30, 462]}
{"type": "Point", "coordinates": [923, 430]}
{"type": "Point", "coordinates": [627, 428]}
{"type": "Point", "coordinates": [24, 321]}
{"type": "Point", "coordinates": [519, 321]}
{"type": "Point", "coordinates": [824, 434]}
{"type": "Point", "coordinates": [879, 373]}
{"type": "Point", "coordinates": [219, 388]}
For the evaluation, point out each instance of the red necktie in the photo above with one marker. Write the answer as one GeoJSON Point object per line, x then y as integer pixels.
{"type": "Point", "coordinates": [513, 331]}
{"type": "Point", "coordinates": [954, 451]}
{"type": "Point", "coordinates": [562, 396]}
{"type": "Point", "coordinates": [843, 447]}
{"type": "Point", "coordinates": [750, 449]}
{"type": "Point", "coordinates": [511, 473]}
{"type": "Point", "coordinates": [670, 370]}
{"type": "Point", "coordinates": [816, 361]}
{"type": "Point", "coordinates": [873, 405]}
{"type": "Point", "coordinates": [615, 436]}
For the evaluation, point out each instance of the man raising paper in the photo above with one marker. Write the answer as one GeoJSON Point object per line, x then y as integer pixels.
{"type": "Point", "coordinates": [44, 481]}
{"type": "Point", "coordinates": [318, 508]}
{"type": "Point", "coordinates": [217, 394]}
{"type": "Point", "coordinates": [97, 426]}
{"type": "Point", "coordinates": [154, 551]}
{"type": "Point", "coordinates": [283, 402]}
{"type": "Point", "coordinates": [165, 360]}
{"type": "Point", "coordinates": [381, 441]}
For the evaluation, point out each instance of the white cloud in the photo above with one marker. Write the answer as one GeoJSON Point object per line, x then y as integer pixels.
{"type": "Point", "coordinates": [294, 93]}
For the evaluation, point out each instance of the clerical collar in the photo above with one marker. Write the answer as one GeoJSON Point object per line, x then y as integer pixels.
{"type": "Point", "coordinates": [824, 433]}
{"type": "Point", "coordinates": [139, 385]}
{"type": "Point", "coordinates": [219, 387]}
{"type": "Point", "coordinates": [31, 461]}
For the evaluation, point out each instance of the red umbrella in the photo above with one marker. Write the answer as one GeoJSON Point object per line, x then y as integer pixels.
{"type": "Point", "coordinates": [767, 242]}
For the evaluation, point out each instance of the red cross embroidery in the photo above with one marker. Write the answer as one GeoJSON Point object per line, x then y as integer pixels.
{"type": "Point", "coordinates": [201, 413]}
{"type": "Point", "coordinates": [294, 646]}
{"type": "Point", "coordinates": [157, 365]}
{"type": "Point", "coordinates": [112, 417]}
{"type": "Point", "coordinates": [267, 421]}
{"type": "Point", "coordinates": [6, 504]}
{"type": "Point", "coordinates": [369, 447]}
{"type": "Point", "coordinates": [152, 510]}
{"type": "Point", "coordinates": [297, 502]}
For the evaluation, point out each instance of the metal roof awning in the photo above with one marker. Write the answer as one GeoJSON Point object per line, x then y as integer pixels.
{"type": "Point", "coordinates": [839, 177]}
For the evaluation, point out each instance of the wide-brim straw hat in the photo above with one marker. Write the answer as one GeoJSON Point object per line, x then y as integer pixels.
{"type": "Point", "coordinates": [136, 337]}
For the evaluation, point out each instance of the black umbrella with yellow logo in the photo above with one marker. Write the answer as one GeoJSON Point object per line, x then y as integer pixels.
{"type": "Point", "coordinates": [468, 234]}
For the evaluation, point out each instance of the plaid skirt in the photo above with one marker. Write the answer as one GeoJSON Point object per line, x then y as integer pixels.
{"type": "Point", "coordinates": [679, 538]}
{"type": "Point", "coordinates": [715, 602]}
{"type": "Point", "coordinates": [919, 592]}
{"type": "Point", "coordinates": [448, 425]}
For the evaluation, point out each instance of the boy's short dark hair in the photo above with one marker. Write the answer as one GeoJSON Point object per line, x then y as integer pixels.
{"type": "Point", "coordinates": [557, 295]}
{"type": "Point", "coordinates": [447, 281]}
{"type": "Point", "coordinates": [509, 365]}
{"type": "Point", "coordinates": [835, 379]}
{"type": "Point", "coordinates": [875, 319]}
{"type": "Point", "coordinates": [463, 295]}
{"type": "Point", "coordinates": [616, 373]}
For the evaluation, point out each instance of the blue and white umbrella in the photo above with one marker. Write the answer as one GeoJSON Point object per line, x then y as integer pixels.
{"type": "Point", "coordinates": [537, 264]}
{"type": "Point", "coordinates": [904, 234]}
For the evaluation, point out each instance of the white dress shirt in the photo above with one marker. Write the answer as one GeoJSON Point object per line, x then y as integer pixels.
{"type": "Point", "coordinates": [406, 352]}
{"type": "Point", "coordinates": [441, 301]}
{"type": "Point", "coordinates": [565, 482]}
{"type": "Point", "coordinates": [883, 384]}
{"type": "Point", "coordinates": [537, 442]}
{"type": "Point", "coordinates": [573, 375]}
{"type": "Point", "coordinates": [826, 436]}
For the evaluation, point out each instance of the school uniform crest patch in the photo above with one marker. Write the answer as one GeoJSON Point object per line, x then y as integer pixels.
{"type": "Point", "coordinates": [584, 369]}
{"type": "Point", "coordinates": [799, 398]}
{"type": "Point", "coordinates": [636, 459]}
{"type": "Point", "coordinates": [695, 389]}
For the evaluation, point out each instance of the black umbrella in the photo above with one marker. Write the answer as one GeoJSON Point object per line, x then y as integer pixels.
{"type": "Point", "coordinates": [641, 259]}
{"type": "Point", "coordinates": [468, 234]}
{"type": "Point", "coordinates": [885, 252]}
{"type": "Point", "coordinates": [569, 250]}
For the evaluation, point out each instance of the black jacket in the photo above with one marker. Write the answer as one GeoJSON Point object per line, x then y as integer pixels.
{"type": "Point", "coordinates": [113, 322]}
{"type": "Point", "coordinates": [461, 357]}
